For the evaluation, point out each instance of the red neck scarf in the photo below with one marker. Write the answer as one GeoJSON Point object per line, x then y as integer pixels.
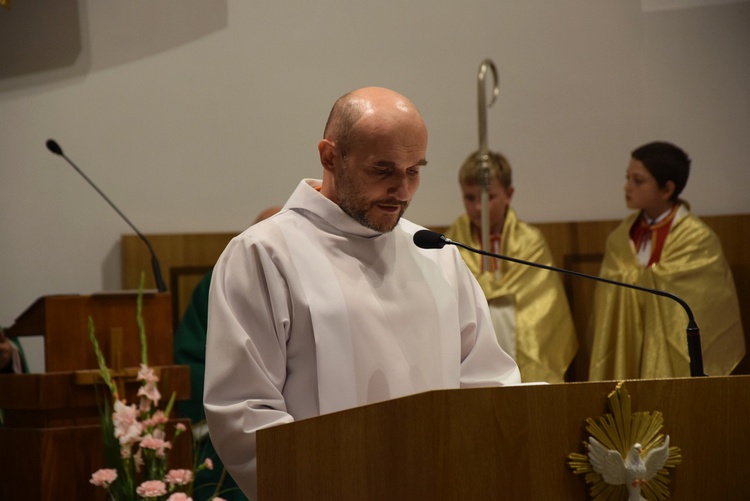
{"type": "Point", "coordinates": [642, 231]}
{"type": "Point", "coordinates": [495, 240]}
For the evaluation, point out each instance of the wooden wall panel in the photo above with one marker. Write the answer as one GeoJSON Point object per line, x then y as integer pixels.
{"type": "Point", "coordinates": [578, 246]}
{"type": "Point", "coordinates": [184, 259]}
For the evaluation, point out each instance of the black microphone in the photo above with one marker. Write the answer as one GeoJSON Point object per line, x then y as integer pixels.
{"type": "Point", "coordinates": [427, 239]}
{"type": "Point", "coordinates": [161, 287]}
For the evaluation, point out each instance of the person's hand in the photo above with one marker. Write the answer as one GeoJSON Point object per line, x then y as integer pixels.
{"type": "Point", "coordinates": [6, 350]}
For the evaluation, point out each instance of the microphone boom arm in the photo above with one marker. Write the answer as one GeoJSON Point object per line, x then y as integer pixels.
{"type": "Point", "coordinates": [693, 332]}
{"type": "Point", "coordinates": [160, 285]}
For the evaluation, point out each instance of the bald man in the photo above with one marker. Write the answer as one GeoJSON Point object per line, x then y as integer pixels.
{"type": "Point", "coordinates": [329, 305]}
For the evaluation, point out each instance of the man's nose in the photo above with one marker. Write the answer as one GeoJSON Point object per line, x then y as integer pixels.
{"type": "Point", "coordinates": [400, 186]}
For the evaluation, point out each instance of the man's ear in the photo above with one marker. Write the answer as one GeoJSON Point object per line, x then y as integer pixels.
{"type": "Point", "coordinates": [327, 150]}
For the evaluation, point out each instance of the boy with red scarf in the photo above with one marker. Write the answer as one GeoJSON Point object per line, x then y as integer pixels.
{"type": "Point", "coordinates": [663, 246]}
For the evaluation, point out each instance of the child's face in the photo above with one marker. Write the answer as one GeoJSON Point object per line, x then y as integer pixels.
{"type": "Point", "coordinates": [641, 189]}
{"type": "Point", "coordinates": [499, 200]}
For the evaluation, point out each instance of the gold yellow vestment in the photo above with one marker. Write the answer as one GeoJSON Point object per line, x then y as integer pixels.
{"type": "Point", "coordinates": [640, 335]}
{"type": "Point", "coordinates": [546, 341]}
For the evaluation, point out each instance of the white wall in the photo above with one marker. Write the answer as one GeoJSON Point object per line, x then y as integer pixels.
{"type": "Point", "coordinates": [194, 115]}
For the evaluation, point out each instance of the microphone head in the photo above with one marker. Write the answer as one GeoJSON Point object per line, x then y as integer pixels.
{"type": "Point", "coordinates": [54, 147]}
{"type": "Point", "coordinates": [426, 239]}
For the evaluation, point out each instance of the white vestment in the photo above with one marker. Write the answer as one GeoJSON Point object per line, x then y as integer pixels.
{"type": "Point", "coordinates": [310, 312]}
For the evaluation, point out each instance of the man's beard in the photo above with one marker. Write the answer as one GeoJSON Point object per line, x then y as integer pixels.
{"type": "Point", "coordinates": [357, 206]}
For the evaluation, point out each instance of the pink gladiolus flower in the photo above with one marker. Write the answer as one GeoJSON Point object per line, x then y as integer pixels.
{"type": "Point", "coordinates": [151, 489]}
{"type": "Point", "coordinates": [180, 427]}
{"type": "Point", "coordinates": [179, 477]}
{"type": "Point", "coordinates": [151, 392]}
{"type": "Point", "coordinates": [146, 373]}
{"type": "Point", "coordinates": [209, 464]}
{"type": "Point", "coordinates": [156, 444]}
{"type": "Point", "coordinates": [155, 420]}
{"type": "Point", "coordinates": [104, 477]}
{"type": "Point", "coordinates": [150, 389]}
{"type": "Point", "coordinates": [127, 427]}
{"type": "Point", "coordinates": [159, 433]}
{"type": "Point", "coordinates": [180, 496]}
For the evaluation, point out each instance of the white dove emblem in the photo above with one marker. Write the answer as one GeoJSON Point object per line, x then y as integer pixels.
{"type": "Point", "coordinates": [633, 471]}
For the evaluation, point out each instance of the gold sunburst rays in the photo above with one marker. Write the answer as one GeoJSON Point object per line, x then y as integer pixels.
{"type": "Point", "coordinates": [618, 431]}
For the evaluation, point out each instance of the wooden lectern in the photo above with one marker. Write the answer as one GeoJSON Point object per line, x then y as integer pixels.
{"type": "Point", "coordinates": [51, 442]}
{"type": "Point", "coordinates": [503, 443]}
